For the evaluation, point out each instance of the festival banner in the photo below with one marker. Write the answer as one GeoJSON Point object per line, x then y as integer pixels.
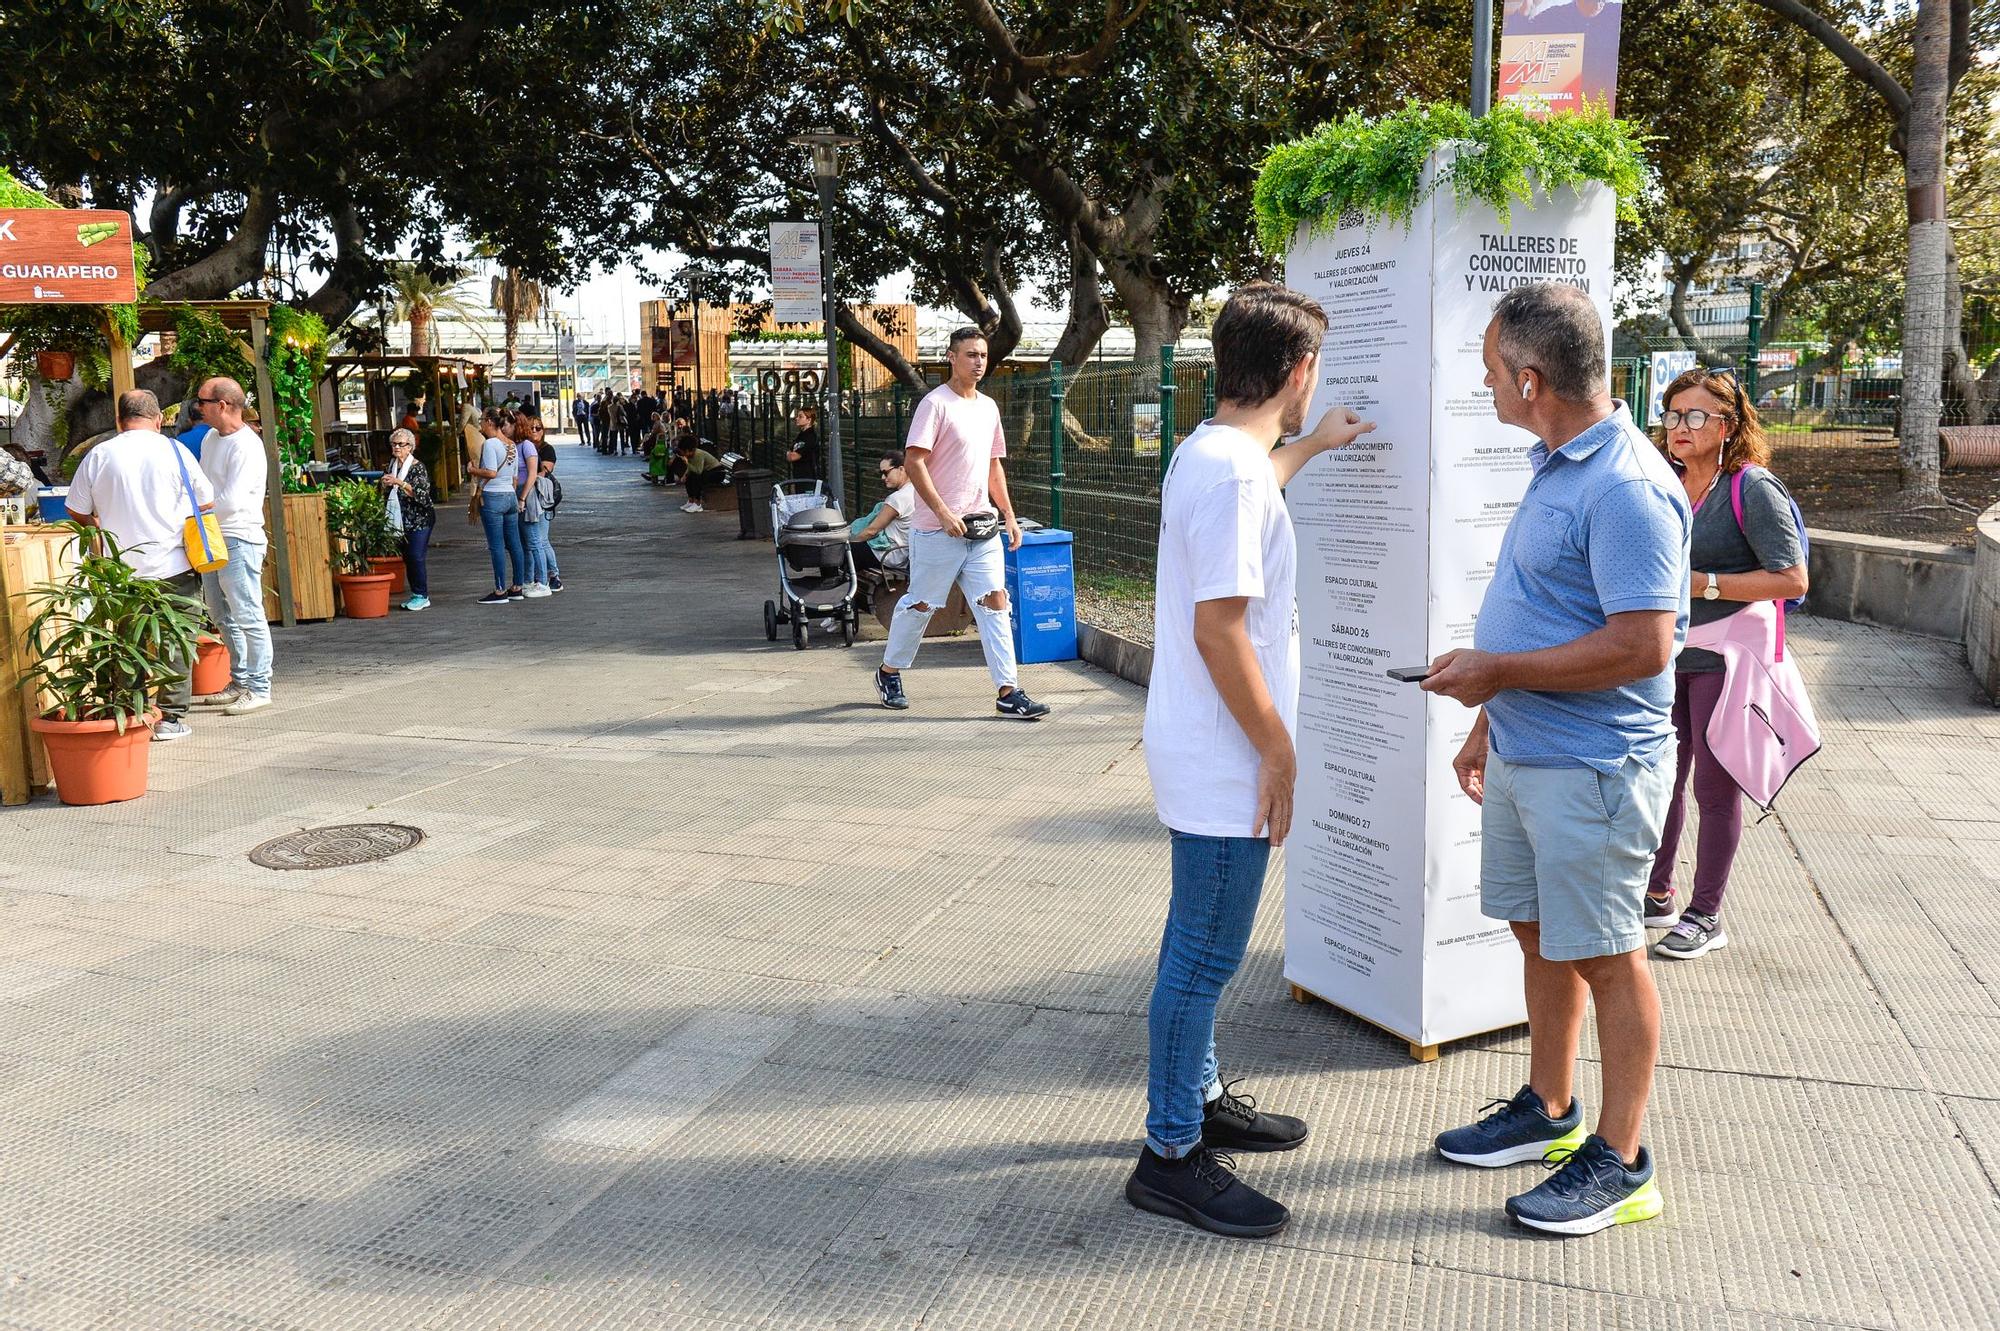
{"type": "Point", "coordinates": [1557, 55]}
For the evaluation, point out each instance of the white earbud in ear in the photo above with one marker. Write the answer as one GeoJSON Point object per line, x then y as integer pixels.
{"type": "Point", "coordinates": [1526, 392]}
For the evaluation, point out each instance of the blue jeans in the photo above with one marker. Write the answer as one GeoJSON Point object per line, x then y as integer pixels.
{"type": "Point", "coordinates": [500, 514]}
{"type": "Point", "coordinates": [235, 596]}
{"type": "Point", "coordinates": [535, 543]}
{"type": "Point", "coordinates": [1217, 882]}
{"type": "Point", "coordinates": [549, 563]}
{"type": "Point", "coordinates": [416, 560]}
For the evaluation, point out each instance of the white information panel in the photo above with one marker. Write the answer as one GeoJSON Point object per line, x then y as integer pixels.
{"type": "Point", "coordinates": [1398, 535]}
{"type": "Point", "coordinates": [795, 278]}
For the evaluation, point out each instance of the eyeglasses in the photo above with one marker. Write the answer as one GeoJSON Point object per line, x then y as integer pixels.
{"type": "Point", "coordinates": [885, 471]}
{"type": "Point", "coordinates": [208, 401]}
{"type": "Point", "coordinates": [1696, 419]}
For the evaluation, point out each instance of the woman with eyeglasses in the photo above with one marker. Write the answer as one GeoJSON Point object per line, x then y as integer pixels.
{"type": "Point", "coordinates": [411, 512]}
{"type": "Point", "coordinates": [1710, 433]}
{"type": "Point", "coordinates": [880, 538]}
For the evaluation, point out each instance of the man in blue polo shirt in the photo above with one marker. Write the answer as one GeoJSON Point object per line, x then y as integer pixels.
{"type": "Point", "coordinates": [1572, 755]}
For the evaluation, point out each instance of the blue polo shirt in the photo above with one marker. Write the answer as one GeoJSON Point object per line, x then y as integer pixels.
{"type": "Point", "coordinates": [1603, 529]}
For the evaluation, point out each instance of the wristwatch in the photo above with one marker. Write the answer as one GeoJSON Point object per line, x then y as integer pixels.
{"type": "Point", "coordinates": [1711, 592]}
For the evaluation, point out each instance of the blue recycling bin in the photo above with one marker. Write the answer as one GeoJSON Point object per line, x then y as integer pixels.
{"type": "Point", "coordinates": [1041, 585]}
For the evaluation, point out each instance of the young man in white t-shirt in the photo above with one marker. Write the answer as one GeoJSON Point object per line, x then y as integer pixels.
{"type": "Point", "coordinates": [1219, 718]}
{"type": "Point", "coordinates": [233, 459]}
{"type": "Point", "coordinates": [953, 461]}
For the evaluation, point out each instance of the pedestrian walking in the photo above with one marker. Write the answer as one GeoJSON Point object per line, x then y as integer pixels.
{"type": "Point", "coordinates": [233, 459]}
{"type": "Point", "coordinates": [500, 506]}
{"type": "Point", "coordinates": [412, 512]}
{"type": "Point", "coordinates": [1218, 740]}
{"type": "Point", "coordinates": [953, 458]}
{"type": "Point", "coordinates": [579, 412]}
{"type": "Point", "coordinates": [1746, 547]}
{"type": "Point", "coordinates": [142, 487]}
{"type": "Point", "coordinates": [1571, 756]}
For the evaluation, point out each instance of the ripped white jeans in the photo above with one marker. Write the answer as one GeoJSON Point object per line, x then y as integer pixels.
{"type": "Point", "coordinates": [937, 560]}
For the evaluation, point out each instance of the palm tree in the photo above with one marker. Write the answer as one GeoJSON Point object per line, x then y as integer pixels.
{"type": "Point", "coordinates": [518, 299]}
{"type": "Point", "coordinates": [420, 294]}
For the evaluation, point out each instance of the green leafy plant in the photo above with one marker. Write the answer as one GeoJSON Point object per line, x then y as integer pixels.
{"type": "Point", "coordinates": [104, 637]}
{"type": "Point", "coordinates": [204, 348]}
{"type": "Point", "coordinates": [357, 517]}
{"type": "Point", "coordinates": [297, 359]}
{"type": "Point", "coordinates": [1376, 167]}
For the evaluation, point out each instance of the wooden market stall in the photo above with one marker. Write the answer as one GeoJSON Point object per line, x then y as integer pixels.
{"type": "Point", "coordinates": [30, 557]}
{"type": "Point", "coordinates": [447, 384]}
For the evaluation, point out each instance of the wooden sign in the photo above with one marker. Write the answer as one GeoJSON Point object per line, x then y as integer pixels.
{"type": "Point", "coordinates": [66, 256]}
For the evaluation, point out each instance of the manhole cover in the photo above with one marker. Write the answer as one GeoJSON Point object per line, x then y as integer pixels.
{"type": "Point", "coordinates": [336, 847]}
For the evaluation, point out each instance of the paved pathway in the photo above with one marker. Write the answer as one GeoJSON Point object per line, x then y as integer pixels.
{"type": "Point", "coordinates": [718, 998]}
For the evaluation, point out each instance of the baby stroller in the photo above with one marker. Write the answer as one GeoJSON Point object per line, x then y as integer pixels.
{"type": "Point", "coordinates": [816, 578]}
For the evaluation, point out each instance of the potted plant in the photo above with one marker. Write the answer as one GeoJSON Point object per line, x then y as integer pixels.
{"type": "Point", "coordinates": [211, 666]}
{"type": "Point", "coordinates": [358, 520]}
{"type": "Point", "coordinates": [103, 639]}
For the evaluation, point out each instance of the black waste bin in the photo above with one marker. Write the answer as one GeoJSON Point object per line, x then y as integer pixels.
{"type": "Point", "coordinates": [753, 503]}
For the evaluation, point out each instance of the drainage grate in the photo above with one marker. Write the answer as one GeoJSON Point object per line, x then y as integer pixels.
{"type": "Point", "coordinates": [336, 847]}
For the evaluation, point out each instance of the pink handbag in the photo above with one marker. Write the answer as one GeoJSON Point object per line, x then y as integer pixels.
{"type": "Point", "coordinates": [1763, 727]}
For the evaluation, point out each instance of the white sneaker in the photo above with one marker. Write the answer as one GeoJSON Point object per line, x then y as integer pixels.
{"type": "Point", "coordinates": [688, 507]}
{"type": "Point", "coordinates": [696, 508]}
{"type": "Point", "coordinates": [534, 590]}
{"type": "Point", "coordinates": [249, 702]}
{"type": "Point", "coordinates": [222, 699]}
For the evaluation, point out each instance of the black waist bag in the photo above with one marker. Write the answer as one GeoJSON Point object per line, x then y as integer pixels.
{"type": "Point", "coordinates": [980, 526]}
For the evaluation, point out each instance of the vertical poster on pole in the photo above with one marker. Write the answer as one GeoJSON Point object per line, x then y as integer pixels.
{"type": "Point", "coordinates": [1398, 536]}
{"type": "Point", "coordinates": [795, 273]}
{"type": "Point", "coordinates": [1559, 55]}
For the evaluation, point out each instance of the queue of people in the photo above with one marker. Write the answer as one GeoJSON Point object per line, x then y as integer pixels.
{"type": "Point", "coordinates": [1591, 713]}
{"type": "Point", "coordinates": [514, 499]}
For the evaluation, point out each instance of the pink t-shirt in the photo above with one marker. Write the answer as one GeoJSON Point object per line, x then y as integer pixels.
{"type": "Point", "coordinates": [963, 435]}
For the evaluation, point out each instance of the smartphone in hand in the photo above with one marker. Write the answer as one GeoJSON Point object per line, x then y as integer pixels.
{"type": "Point", "coordinates": [1410, 674]}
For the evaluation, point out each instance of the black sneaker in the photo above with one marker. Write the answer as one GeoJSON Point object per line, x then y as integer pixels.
{"type": "Point", "coordinates": [1017, 703]}
{"type": "Point", "coordinates": [1199, 1189]}
{"type": "Point", "coordinates": [517, 593]}
{"type": "Point", "coordinates": [555, 582]}
{"type": "Point", "coordinates": [1232, 1123]}
{"type": "Point", "coordinates": [889, 688]}
{"type": "Point", "coordinates": [1693, 935]}
{"type": "Point", "coordinates": [495, 598]}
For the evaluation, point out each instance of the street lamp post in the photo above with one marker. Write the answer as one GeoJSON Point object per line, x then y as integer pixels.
{"type": "Point", "coordinates": [826, 146]}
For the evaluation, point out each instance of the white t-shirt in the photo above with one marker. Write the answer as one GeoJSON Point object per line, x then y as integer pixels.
{"type": "Point", "coordinates": [131, 485]}
{"type": "Point", "coordinates": [963, 435]}
{"type": "Point", "coordinates": [235, 465]}
{"type": "Point", "coordinates": [903, 499]}
{"type": "Point", "coordinates": [1224, 532]}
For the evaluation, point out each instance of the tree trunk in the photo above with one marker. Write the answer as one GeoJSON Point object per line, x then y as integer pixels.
{"type": "Point", "coordinates": [1158, 313]}
{"type": "Point", "coordinates": [881, 350]}
{"type": "Point", "coordinates": [1924, 313]}
{"type": "Point", "coordinates": [420, 330]}
{"type": "Point", "coordinates": [513, 324]}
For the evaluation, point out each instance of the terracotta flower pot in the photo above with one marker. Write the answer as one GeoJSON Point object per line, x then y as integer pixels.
{"type": "Point", "coordinates": [55, 366]}
{"type": "Point", "coordinates": [392, 565]}
{"type": "Point", "coordinates": [364, 595]}
{"type": "Point", "coordinates": [211, 667]}
{"type": "Point", "coordinates": [94, 764]}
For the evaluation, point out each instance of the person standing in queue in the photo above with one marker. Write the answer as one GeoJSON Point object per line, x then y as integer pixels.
{"type": "Point", "coordinates": [804, 454]}
{"type": "Point", "coordinates": [953, 458]}
{"type": "Point", "coordinates": [233, 460]}
{"type": "Point", "coordinates": [1218, 740]}
{"type": "Point", "coordinates": [1714, 439]}
{"type": "Point", "coordinates": [500, 505]}
{"type": "Point", "coordinates": [1571, 757]}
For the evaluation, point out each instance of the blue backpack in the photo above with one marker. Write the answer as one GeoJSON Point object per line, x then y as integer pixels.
{"type": "Point", "coordinates": [1798, 520]}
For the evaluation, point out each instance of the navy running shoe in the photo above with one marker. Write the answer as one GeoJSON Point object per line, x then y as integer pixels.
{"type": "Point", "coordinates": [1016, 703]}
{"type": "Point", "coordinates": [1591, 1189]}
{"type": "Point", "coordinates": [1514, 1131]}
{"type": "Point", "coordinates": [889, 688]}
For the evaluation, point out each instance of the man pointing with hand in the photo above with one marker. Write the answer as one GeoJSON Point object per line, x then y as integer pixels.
{"type": "Point", "coordinates": [1219, 719]}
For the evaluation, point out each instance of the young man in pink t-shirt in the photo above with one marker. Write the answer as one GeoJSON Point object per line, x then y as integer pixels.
{"type": "Point", "coordinates": [953, 459]}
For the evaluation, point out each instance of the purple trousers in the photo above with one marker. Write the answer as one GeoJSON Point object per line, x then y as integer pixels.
{"type": "Point", "coordinates": [1715, 794]}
